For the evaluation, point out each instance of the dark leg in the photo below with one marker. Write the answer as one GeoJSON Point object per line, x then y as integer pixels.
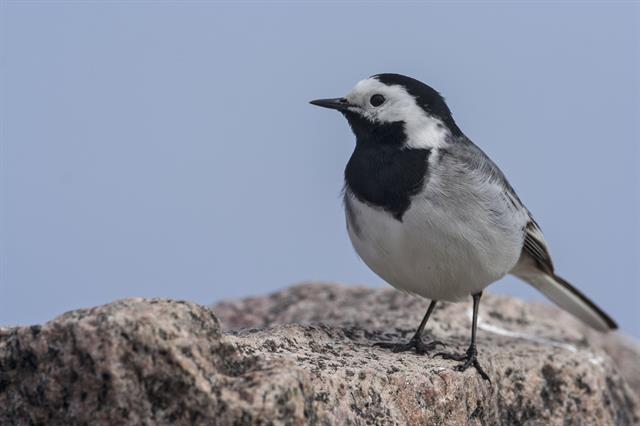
{"type": "Point", "coordinates": [471, 357]}
{"type": "Point", "coordinates": [416, 341]}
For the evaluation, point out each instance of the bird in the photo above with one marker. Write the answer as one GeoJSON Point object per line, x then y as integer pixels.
{"type": "Point", "coordinates": [431, 214]}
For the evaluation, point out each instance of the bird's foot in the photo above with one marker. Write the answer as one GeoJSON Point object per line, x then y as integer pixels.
{"type": "Point", "coordinates": [415, 343]}
{"type": "Point", "coordinates": [470, 358]}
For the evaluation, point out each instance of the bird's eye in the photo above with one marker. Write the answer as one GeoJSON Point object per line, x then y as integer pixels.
{"type": "Point", "coordinates": [377, 100]}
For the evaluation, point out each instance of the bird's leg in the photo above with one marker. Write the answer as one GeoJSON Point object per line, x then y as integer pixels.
{"type": "Point", "coordinates": [470, 358]}
{"type": "Point", "coordinates": [416, 341]}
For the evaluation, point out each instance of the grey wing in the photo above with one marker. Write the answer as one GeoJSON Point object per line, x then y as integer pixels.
{"type": "Point", "coordinates": [534, 246]}
{"type": "Point", "coordinates": [534, 243]}
{"type": "Point", "coordinates": [472, 164]}
{"type": "Point", "coordinates": [481, 205]}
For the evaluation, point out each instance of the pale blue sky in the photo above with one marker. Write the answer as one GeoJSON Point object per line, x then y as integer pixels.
{"type": "Point", "coordinates": [168, 149]}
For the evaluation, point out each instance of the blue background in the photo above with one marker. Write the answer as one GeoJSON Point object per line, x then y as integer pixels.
{"type": "Point", "coordinates": [168, 149]}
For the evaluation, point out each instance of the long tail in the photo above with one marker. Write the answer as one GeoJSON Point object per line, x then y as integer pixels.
{"type": "Point", "coordinates": [536, 268]}
{"type": "Point", "coordinates": [571, 300]}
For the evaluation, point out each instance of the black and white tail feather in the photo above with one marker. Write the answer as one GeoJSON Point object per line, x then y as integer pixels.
{"type": "Point", "coordinates": [536, 268]}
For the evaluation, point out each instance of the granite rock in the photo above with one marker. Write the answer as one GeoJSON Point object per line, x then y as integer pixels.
{"type": "Point", "coordinates": [304, 356]}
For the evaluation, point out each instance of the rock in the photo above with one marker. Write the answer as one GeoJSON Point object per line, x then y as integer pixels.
{"type": "Point", "coordinates": [304, 356]}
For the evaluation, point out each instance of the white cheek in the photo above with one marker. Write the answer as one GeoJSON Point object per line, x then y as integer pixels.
{"type": "Point", "coordinates": [428, 133]}
{"type": "Point", "coordinates": [422, 131]}
{"type": "Point", "coordinates": [394, 111]}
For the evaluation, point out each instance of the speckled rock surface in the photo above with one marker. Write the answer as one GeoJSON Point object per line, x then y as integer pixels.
{"type": "Point", "coordinates": [304, 356]}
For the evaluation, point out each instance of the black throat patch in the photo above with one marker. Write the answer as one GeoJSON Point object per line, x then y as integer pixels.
{"type": "Point", "coordinates": [382, 172]}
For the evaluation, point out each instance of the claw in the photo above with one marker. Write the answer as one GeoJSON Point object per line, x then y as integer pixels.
{"type": "Point", "coordinates": [469, 359]}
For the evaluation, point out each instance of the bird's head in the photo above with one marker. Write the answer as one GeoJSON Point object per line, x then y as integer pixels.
{"type": "Point", "coordinates": [393, 101]}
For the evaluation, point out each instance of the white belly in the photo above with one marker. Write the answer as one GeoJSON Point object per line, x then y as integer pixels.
{"type": "Point", "coordinates": [433, 252]}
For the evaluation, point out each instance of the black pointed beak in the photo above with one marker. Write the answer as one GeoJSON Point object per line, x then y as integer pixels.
{"type": "Point", "coordinates": [341, 104]}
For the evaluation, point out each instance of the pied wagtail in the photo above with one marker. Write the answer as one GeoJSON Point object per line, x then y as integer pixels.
{"type": "Point", "coordinates": [432, 215]}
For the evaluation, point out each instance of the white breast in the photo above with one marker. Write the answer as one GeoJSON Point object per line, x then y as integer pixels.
{"type": "Point", "coordinates": [444, 250]}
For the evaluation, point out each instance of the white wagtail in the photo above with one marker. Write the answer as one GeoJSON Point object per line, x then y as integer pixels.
{"type": "Point", "coordinates": [432, 215]}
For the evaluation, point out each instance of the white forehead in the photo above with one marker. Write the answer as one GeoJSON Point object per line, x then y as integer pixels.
{"type": "Point", "coordinates": [365, 88]}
